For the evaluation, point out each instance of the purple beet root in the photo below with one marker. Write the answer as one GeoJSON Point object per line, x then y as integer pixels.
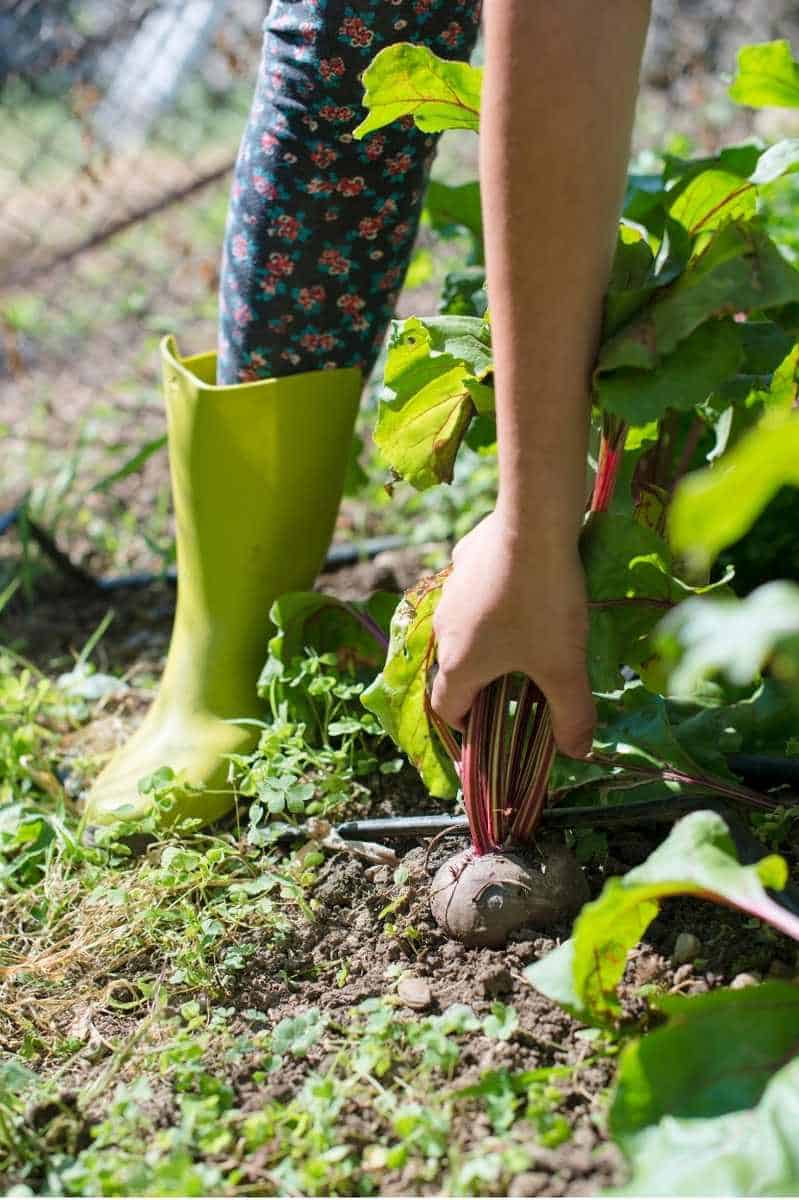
{"type": "Point", "coordinates": [480, 901]}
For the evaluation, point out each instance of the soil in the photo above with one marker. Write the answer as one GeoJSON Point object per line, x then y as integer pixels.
{"type": "Point", "coordinates": [351, 897]}
{"type": "Point", "coordinates": [286, 978]}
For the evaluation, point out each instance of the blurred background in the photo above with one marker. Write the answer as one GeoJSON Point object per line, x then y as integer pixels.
{"type": "Point", "coordinates": [119, 126]}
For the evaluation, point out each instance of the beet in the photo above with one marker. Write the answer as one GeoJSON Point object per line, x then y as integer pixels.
{"type": "Point", "coordinates": [480, 900]}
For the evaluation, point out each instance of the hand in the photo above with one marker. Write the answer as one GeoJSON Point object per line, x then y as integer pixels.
{"type": "Point", "coordinates": [513, 603]}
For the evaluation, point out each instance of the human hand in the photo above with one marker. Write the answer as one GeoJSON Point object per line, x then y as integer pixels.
{"type": "Point", "coordinates": [515, 603]}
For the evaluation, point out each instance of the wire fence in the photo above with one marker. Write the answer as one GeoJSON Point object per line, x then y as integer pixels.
{"type": "Point", "coordinates": [119, 125]}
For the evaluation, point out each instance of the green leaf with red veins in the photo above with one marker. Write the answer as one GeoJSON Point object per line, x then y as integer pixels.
{"type": "Point", "coordinates": [766, 75]}
{"type": "Point", "coordinates": [697, 859]}
{"type": "Point", "coordinates": [408, 79]}
{"type": "Point", "coordinates": [712, 198]}
{"type": "Point", "coordinates": [397, 695]}
{"type": "Point", "coordinates": [434, 387]}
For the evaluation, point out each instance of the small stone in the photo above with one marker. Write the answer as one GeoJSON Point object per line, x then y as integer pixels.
{"type": "Point", "coordinates": [647, 968]}
{"type": "Point", "coordinates": [497, 982]}
{"type": "Point", "coordinates": [452, 950]}
{"type": "Point", "coordinates": [523, 950]}
{"type": "Point", "coordinates": [414, 992]}
{"type": "Point", "coordinates": [682, 973]}
{"type": "Point", "coordinates": [686, 948]}
{"type": "Point", "coordinates": [744, 980]}
{"type": "Point", "coordinates": [529, 1183]}
{"type": "Point", "coordinates": [698, 986]}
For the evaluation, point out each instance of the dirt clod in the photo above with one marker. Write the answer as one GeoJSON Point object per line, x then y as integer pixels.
{"type": "Point", "coordinates": [496, 982]}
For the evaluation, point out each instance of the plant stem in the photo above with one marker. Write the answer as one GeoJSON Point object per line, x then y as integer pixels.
{"type": "Point", "coordinates": [722, 787]}
{"type": "Point", "coordinates": [611, 451]}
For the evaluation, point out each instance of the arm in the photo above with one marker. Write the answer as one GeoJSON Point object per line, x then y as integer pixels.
{"type": "Point", "coordinates": [558, 102]}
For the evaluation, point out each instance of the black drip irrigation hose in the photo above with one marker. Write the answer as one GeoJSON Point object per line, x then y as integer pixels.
{"type": "Point", "coordinates": [629, 813]}
{"type": "Point", "coordinates": [343, 554]}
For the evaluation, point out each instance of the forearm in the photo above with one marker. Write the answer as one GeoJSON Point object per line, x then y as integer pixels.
{"type": "Point", "coordinates": [558, 103]}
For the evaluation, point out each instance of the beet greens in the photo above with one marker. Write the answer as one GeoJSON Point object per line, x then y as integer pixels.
{"type": "Point", "coordinates": [697, 346]}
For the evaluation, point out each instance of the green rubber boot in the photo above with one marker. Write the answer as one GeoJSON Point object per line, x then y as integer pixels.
{"type": "Point", "coordinates": [257, 471]}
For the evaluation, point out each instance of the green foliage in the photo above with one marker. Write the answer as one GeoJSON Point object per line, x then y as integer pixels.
{"type": "Point", "coordinates": [456, 207]}
{"type": "Point", "coordinates": [752, 1152]}
{"type": "Point", "coordinates": [397, 695]}
{"type": "Point", "coordinates": [739, 269]}
{"type": "Point", "coordinates": [697, 859]}
{"type": "Point", "coordinates": [133, 464]}
{"type": "Point", "coordinates": [766, 75]}
{"type": "Point", "coordinates": [681, 380]}
{"type": "Point", "coordinates": [734, 638]}
{"type": "Point", "coordinates": [770, 547]}
{"type": "Point", "coordinates": [630, 583]}
{"type": "Point", "coordinates": [531, 1095]}
{"type": "Point", "coordinates": [502, 1023]}
{"type": "Point", "coordinates": [704, 1105]}
{"type": "Point", "coordinates": [434, 376]}
{"type": "Point", "coordinates": [674, 1069]}
{"type": "Point", "coordinates": [350, 636]}
{"type": "Point", "coordinates": [408, 79]}
{"type": "Point", "coordinates": [714, 507]}
{"type": "Point", "coordinates": [636, 730]}
{"type": "Point", "coordinates": [319, 742]}
{"type": "Point", "coordinates": [34, 811]}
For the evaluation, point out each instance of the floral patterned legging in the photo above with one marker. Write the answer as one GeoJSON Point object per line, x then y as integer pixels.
{"type": "Point", "coordinates": [320, 226]}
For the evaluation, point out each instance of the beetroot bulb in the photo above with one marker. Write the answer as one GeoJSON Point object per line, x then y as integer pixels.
{"type": "Point", "coordinates": [504, 881]}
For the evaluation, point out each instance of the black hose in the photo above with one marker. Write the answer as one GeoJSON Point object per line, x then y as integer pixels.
{"type": "Point", "coordinates": [342, 554]}
{"type": "Point", "coordinates": [634, 812]}
{"type": "Point", "coordinates": [764, 771]}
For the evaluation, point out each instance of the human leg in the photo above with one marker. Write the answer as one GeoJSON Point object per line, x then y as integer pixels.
{"type": "Point", "coordinates": [258, 460]}
{"type": "Point", "coordinates": [320, 225]}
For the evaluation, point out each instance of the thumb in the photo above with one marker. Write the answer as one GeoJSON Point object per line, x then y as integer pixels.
{"type": "Point", "coordinates": [573, 714]}
{"type": "Point", "coordinates": [452, 696]}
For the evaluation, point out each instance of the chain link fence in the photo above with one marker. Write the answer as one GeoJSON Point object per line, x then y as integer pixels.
{"type": "Point", "coordinates": [119, 125]}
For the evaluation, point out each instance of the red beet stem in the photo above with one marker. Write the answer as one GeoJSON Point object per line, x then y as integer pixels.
{"type": "Point", "coordinates": [611, 451]}
{"type": "Point", "coordinates": [505, 757]}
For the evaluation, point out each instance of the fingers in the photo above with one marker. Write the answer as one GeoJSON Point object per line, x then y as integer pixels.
{"type": "Point", "coordinates": [570, 703]}
{"type": "Point", "coordinates": [573, 713]}
{"type": "Point", "coordinates": [453, 695]}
